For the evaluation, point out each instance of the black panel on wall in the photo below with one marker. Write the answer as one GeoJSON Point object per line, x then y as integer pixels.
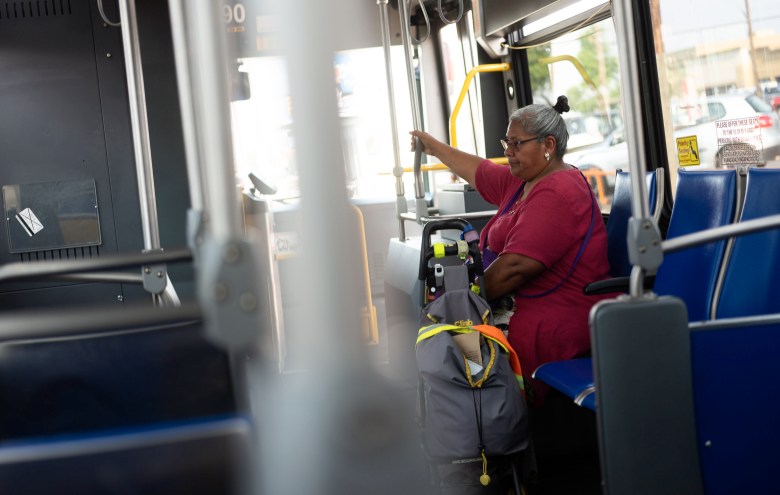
{"type": "Point", "coordinates": [64, 117]}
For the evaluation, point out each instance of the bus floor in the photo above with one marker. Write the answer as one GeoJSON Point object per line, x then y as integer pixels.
{"type": "Point", "coordinates": [566, 449]}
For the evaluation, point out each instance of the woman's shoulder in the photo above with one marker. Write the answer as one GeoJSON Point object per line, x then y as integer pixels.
{"type": "Point", "coordinates": [569, 187]}
{"type": "Point", "coordinates": [491, 176]}
{"type": "Point", "coordinates": [491, 167]}
{"type": "Point", "coordinates": [568, 181]}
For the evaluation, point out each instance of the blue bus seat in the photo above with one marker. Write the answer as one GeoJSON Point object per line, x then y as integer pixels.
{"type": "Point", "coordinates": [704, 200]}
{"type": "Point", "coordinates": [752, 276]}
{"type": "Point", "coordinates": [620, 212]}
{"type": "Point", "coordinates": [587, 399]}
{"type": "Point", "coordinates": [573, 378]}
{"type": "Point", "coordinates": [735, 370]}
{"type": "Point", "coordinates": [116, 379]}
{"type": "Point", "coordinates": [735, 364]}
{"type": "Point", "coordinates": [207, 456]}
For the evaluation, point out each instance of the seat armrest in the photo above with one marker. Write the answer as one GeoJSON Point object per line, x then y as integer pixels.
{"type": "Point", "coordinates": [616, 284]}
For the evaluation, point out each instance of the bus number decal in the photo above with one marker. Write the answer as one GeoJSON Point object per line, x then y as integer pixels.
{"type": "Point", "coordinates": [234, 14]}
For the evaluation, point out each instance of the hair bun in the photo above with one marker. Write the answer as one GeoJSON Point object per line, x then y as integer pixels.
{"type": "Point", "coordinates": [562, 105]}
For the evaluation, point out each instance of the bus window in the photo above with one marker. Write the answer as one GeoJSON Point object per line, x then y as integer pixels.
{"type": "Point", "coordinates": [262, 137]}
{"type": "Point", "coordinates": [458, 57]}
{"type": "Point", "coordinates": [583, 65]}
{"type": "Point", "coordinates": [719, 71]}
{"type": "Point", "coordinates": [263, 140]}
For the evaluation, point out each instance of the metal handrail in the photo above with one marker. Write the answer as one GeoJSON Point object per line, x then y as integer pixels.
{"type": "Point", "coordinates": [419, 192]}
{"type": "Point", "coordinates": [718, 233]}
{"type": "Point", "coordinates": [418, 168]}
{"type": "Point", "coordinates": [373, 326]}
{"type": "Point", "coordinates": [583, 73]}
{"type": "Point", "coordinates": [641, 226]}
{"type": "Point", "coordinates": [398, 172]}
{"type": "Point", "coordinates": [590, 174]}
{"type": "Point", "coordinates": [186, 104]}
{"type": "Point", "coordinates": [473, 215]}
{"type": "Point", "coordinates": [64, 323]}
{"type": "Point", "coordinates": [140, 124]}
{"type": "Point", "coordinates": [52, 269]}
{"type": "Point", "coordinates": [503, 67]}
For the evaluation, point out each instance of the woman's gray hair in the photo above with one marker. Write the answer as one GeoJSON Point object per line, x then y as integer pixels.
{"type": "Point", "coordinates": [543, 121]}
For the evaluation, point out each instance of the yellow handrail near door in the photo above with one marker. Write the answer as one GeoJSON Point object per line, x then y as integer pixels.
{"type": "Point", "coordinates": [455, 111]}
{"type": "Point", "coordinates": [464, 91]}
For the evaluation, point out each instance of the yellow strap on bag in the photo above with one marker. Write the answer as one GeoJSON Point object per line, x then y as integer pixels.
{"type": "Point", "coordinates": [433, 330]}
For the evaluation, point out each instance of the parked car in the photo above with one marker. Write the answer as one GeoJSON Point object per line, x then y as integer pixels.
{"type": "Point", "coordinates": [584, 130]}
{"type": "Point", "coordinates": [606, 156]}
{"type": "Point", "coordinates": [589, 129]}
{"type": "Point", "coordinates": [612, 154]}
{"type": "Point", "coordinates": [734, 106]}
{"type": "Point", "coordinates": [772, 96]}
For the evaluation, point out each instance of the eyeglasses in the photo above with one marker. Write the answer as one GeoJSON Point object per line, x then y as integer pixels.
{"type": "Point", "coordinates": [515, 143]}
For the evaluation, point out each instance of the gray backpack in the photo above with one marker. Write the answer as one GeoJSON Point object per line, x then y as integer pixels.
{"type": "Point", "coordinates": [466, 412]}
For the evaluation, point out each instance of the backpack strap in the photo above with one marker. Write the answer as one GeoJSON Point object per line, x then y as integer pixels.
{"type": "Point", "coordinates": [493, 333]}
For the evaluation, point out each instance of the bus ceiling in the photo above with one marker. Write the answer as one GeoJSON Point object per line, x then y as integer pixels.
{"type": "Point", "coordinates": [531, 22]}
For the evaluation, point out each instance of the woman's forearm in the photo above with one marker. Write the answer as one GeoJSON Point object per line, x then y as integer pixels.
{"type": "Point", "coordinates": [508, 273]}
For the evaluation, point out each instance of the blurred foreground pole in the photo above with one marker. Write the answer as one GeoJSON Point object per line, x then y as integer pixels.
{"type": "Point", "coordinates": [335, 428]}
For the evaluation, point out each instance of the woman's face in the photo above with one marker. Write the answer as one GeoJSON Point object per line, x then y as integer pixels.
{"type": "Point", "coordinates": [525, 153]}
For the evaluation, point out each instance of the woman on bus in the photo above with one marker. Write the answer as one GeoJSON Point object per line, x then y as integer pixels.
{"type": "Point", "coordinates": [547, 240]}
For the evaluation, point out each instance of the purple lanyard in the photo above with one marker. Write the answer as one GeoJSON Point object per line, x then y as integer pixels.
{"type": "Point", "coordinates": [501, 213]}
{"type": "Point", "coordinates": [585, 241]}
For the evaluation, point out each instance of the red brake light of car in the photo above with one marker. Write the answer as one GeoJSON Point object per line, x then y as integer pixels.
{"type": "Point", "coordinates": [765, 121]}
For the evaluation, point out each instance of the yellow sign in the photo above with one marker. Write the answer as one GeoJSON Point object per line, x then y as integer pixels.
{"type": "Point", "coordinates": [688, 151]}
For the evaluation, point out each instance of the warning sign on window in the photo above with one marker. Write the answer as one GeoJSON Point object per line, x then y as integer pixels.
{"type": "Point", "coordinates": [739, 141]}
{"type": "Point", "coordinates": [688, 151]}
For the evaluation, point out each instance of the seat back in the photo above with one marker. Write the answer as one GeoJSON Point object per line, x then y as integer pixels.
{"type": "Point", "coordinates": [735, 370]}
{"type": "Point", "coordinates": [203, 457]}
{"type": "Point", "coordinates": [644, 408]}
{"type": "Point", "coordinates": [753, 262]}
{"type": "Point", "coordinates": [620, 212]}
{"type": "Point", "coordinates": [704, 200]}
{"type": "Point", "coordinates": [117, 379]}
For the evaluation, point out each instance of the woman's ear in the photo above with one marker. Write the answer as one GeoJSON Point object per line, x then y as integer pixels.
{"type": "Point", "coordinates": [550, 144]}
